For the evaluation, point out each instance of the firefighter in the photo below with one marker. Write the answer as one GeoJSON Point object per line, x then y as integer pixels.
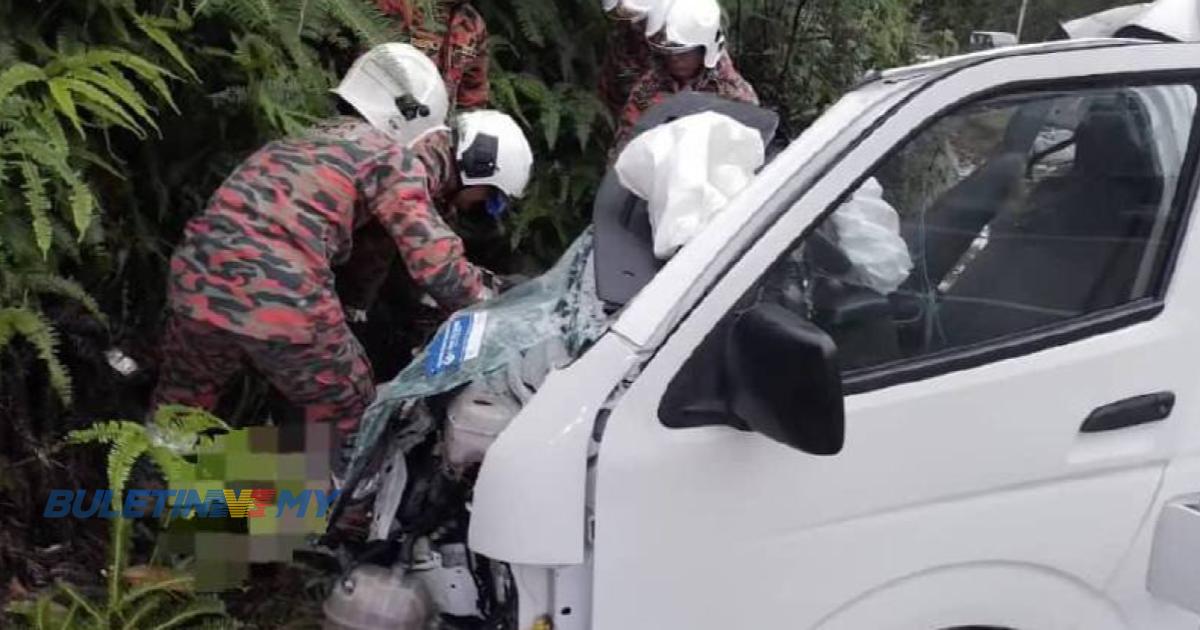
{"type": "Point", "coordinates": [252, 282]}
{"type": "Point", "coordinates": [627, 51]}
{"type": "Point", "coordinates": [689, 55]}
{"type": "Point", "coordinates": [455, 36]}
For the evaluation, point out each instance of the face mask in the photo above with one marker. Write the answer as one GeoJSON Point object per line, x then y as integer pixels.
{"type": "Point", "coordinates": [497, 204]}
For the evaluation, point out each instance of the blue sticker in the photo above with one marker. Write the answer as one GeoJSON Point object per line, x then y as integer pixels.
{"type": "Point", "coordinates": [457, 342]}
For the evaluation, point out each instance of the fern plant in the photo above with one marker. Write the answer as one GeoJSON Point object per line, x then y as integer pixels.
{"type": "Point", "coordinates": [544, 71]}
{"type": "Point", "coordinates": [168, 602]}
{"type": "Point", "coordinates": [92, 90]}
{"type": "Point", "coordinates": [25, 319]}
{"type": "Point", "coordinates": [280, 48]}
{"type": "Point", "coordinates": [33, 327]}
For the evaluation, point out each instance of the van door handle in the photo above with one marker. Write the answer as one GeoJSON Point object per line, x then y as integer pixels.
{"type": "Point", "coordinates": [1130, 412]}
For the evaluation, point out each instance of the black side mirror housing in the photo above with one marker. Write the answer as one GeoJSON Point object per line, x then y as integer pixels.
{"type": "Point", "coordinates": [767, 370]}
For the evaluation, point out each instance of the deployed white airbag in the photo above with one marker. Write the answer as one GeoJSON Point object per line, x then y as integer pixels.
{"type": "Point", "coordinates": [868, 233]}
{"type": "Point", "coordinates": [687, 171]}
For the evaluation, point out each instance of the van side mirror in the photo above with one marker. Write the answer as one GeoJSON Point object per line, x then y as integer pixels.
{"type": "Point", "coordinates": [784, 380]}
{"type": "Point", "coordinates": [766, 370]}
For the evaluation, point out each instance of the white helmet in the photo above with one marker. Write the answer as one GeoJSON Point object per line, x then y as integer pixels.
{"type": "Point", "coordinates": [656, 17]}
{"type": "Point", "coordinates": [609, 5]}
{"type": "Point", "coordinates": [492, 150]}
{"type": "Point", "coordinates": [693, 24]}
{"type": "Point", "coordinates": [398, 90]}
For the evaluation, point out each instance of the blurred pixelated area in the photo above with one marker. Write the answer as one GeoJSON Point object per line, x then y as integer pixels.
{"type": "Point", "coordinates": [274, 484]}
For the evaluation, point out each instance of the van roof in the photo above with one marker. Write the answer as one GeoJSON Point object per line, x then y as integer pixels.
{"type": "Point", "coordinates": [940, 67]}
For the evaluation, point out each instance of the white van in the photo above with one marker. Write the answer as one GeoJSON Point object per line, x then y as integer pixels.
{"type": "Point", "coordinates": [1005, 441]}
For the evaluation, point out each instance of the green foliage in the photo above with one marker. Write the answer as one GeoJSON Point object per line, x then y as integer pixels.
{"type": "Point", "coordinates": [33, 327]}
{"type": "Point", "coordinates": [282, 51]}
{"type": "Point", "coordinates": [166, 602]}
{"type": "Point", "coordinates": [174, 432]}
{"type": "Point", "coordinates": [1041, 18]}
{"type": "Point", "coordinates": [545, 63]}
{"type": "Point", "coordinates": [90, 89]}
{"type": "Point", "coordinates": [25, 319]}
{"type": "Point", "coordinates": [119, 117]}
{"type": "Point", "coordinates": [801, 56]}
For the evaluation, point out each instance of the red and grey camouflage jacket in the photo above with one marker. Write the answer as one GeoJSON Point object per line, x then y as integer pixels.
{"type": "Point", "coordinates": [455, 36]}
{"type": "Point", "coordinates": [656, 85]}
{"type": "Point", "coordinates": [258, 261]}
{"type": "Point", "coordinates": [626, 57]}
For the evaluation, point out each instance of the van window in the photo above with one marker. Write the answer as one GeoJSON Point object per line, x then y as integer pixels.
{"type": "Point", "coordinates": [1006, 216]}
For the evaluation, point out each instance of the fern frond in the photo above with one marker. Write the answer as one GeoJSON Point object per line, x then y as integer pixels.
{"type": "Point", "coordinates": [154, 75]}
{"type": "Point", "coordinates": [38, 613]}
{"type": "Point", "coordinates": [48, 284]}
{"type": "Point", "coordinates": [253, 15]}
{"type": "Point", "coordinates": [174, 468]}
{"type": "Point", "coordinates": [114, 78]}
{"type": "Point", "coordinates": [33, 186]}
{"type": "Point", "coordinates": [103, 432]}
{"type": "Point", "coordinates": [506, 95]}
{"type": "Point", "coordinates": [42, 336]}
{"type": "Point", "coordinates": [363, 18]}
{"type": "Point", "coordinates": [122, 455]}
{"type": "Point", "coordinates": [18, 75]}
{"type": "Point", "coordinates": [83, 206]}
{"type": "Point", "coordinates": [100, 104]}
{"type": "Point", "coordinates": [61, 96]}
{"type": "Point", "coordinates": [531, 88]}
{"type": "Point", "coordinates": [169, 585]}
{"type": "Point", "coordinates": [122, 92]}
{"type": "Point", "coordinates": [206, 607]}
{"type": "Point", "coordinates": [529, 19]}
{"type": "Point", "coordinates": [187, 420]}
{"type": "Point", "coordinates": [65, 241]}
{"type": "Point", "coordinates": [48, 123]}
{"type": "Point", "coordinates": [152, 27]}
{"type": "Point", "coordinates": [98, 162]}
{"type": "Point", "coordinates": [52, 156]}
{"type": "Point", "coordinates": [134, 620]}
{"type": "Point", "coordinates": [551, 119]}
{"type": "Point", "coordinates": [68, 621]}
{"type": "Point", "coordinates": [586, 111]}
{"type": "Point", "coordinates": [79, 600]}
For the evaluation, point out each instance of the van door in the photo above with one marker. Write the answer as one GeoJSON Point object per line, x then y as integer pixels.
{"type": "Point", "coordinates": [1017, 344]}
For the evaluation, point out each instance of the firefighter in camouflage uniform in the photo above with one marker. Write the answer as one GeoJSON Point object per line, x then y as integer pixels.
{"type": "Point", "coordinates": [689, 55]}
{"type": "Point", "coordinates": [626, 51]}
{"type": "Point", "coordinates": [454, 36]}
{"type": "Point", "coordinates": [252, 282]}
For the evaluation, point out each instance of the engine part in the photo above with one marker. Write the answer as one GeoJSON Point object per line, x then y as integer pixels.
{"type": "Point", "coordinates": [447, 579]}
{"type": "Point", "coordinates": [387, 502]}
{"type": "Point", "coordinates": [475, 417]}
{"type": "Point", "coordinates": [377, 598]}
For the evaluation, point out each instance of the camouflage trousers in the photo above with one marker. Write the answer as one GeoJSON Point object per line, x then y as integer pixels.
{"type": "Point", "coordinates": [329, 380]}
